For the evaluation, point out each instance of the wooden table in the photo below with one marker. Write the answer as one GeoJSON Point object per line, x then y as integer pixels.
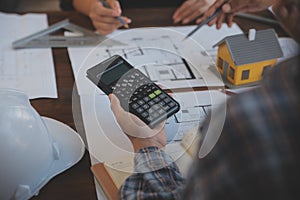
{"type": "Point", "coordinates": [77, 182]}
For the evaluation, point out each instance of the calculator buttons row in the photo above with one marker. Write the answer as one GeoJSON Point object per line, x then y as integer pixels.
{"type": "Point", "coordinates": [142, 96]}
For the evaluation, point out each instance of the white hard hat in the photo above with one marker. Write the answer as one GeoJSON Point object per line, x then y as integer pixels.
{"type": "Point", "coordinates": [33, 149]}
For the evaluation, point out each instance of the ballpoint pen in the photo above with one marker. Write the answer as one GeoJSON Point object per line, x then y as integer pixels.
{"type": "Point", "coordinates": [207, 20]}
{"type": "Point", "coordinates": [105, 4]}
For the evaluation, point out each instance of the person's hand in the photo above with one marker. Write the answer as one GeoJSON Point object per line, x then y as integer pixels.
{"type": "Point", "coordinates": [105, 19]}
{"type": "Point", "coordinates": [191, 10]}
{"type": "Point", "coordinates": [232, 7]}
{"type": "Point", "coordinates": [138, 132]}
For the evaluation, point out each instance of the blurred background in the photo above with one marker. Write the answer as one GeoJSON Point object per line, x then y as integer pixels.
{"type": "Point", "coordinates": [29, 5]}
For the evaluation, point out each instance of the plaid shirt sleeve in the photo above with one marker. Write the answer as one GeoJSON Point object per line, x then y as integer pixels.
{"type": "Point", "coordinates": [156, 177]}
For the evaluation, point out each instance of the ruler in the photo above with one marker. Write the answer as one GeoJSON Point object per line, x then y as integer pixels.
{"type": "Point", "coordinates": [43, 39]}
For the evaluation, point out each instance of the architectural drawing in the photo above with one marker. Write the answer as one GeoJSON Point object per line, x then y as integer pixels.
{"type": "Point", "coordinates": [158, 58]}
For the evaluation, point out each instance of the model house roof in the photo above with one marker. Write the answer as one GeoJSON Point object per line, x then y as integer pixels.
{"type": "Point", "coordinates": [246, 48]}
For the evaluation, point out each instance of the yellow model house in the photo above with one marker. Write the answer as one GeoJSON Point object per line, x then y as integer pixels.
{"type": "Point", "coordinates": [245, 58]}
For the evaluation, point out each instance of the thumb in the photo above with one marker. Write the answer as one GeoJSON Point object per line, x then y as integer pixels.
{"type": "Point", "coordinates": [226, 8]}
{"type": "Point", "coordinates": [115, 5]}
{"type": "Point", "coordinates": [115, 104]}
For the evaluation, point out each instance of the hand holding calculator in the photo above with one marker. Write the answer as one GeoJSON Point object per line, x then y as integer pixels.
{"type": "Point", "coordinates": [136, 92]}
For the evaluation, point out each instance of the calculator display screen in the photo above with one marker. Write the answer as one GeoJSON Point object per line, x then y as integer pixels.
{"type": "Point", "coordinates": [114, 73]}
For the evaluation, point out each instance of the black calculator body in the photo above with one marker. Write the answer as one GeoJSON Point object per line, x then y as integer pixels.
{"type": "Point", "coordinates": [136, 92]}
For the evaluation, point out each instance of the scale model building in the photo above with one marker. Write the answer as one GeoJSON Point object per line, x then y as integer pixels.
{"type": "Point", "coordinates": [244, 59]}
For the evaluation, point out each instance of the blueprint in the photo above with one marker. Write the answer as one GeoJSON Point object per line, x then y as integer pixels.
{"type": "Point", "coordinates": [160, 53]}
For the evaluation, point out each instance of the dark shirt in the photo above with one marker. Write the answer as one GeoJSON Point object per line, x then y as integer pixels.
{"type": "Point", "coordinates": [150, 4]}
{"type": "Point", "coordinates": [9, 5]}
{"type": "Point", "coordinates": [68, 5]}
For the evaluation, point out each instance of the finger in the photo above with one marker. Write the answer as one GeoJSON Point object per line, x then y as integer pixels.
{"type": "Point", "coordinates": [159, 127]}
{"type": "Point", "coordinates": [160, 85]}
{"type": "Point", "coordinates": [220, 20]}
{"type": "Point", "coordinates": [115, 105]}
{"type": "Point", "coordinates": [105, 19]}
{"type": "Point", "coordinates": [115, 5]}
{"type": "Point", "coordinates": [106, 25]}
{"type": "Point", "coordinates": [104, 29]}
{"type": "Point", "coordinates": [171, 94]}
{"type": "Point", "coordinates": [241, 6]}
{"type": "Point", "coordinates": [186, 10]}
{"type": "Point", "coordinates": [103, 10]}
{"type": "Point", "coordinates": [181, 12]}
{"type": "Point", "coordinates": [192, 16]}
{"type": "Point", "coordinates": [195, 11]}
{"type": "Point", "coordinates": [212, 22]}
{"type": "Point", "coordinates": [109, 22]}
{"type": "Point", "coordinates": [118, 110]}
{"type": "Point", "coordinates": [97, 8]}
{"type": "Point", "coordinates": [226, 8]}
{"type": "Point", "coordinates": [230, 20]}
{"type": "Point", "coordinates": [213, 8]}
{"type": "Point", "coordinates": [204, 17]}
{"type": "Point", "coordinates": [110, 97]}
{"type": "Point", "coordinates": [126, 20]}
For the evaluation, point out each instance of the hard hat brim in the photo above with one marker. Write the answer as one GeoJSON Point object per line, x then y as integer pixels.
{"type": "Point", "coordinates": [70, 145]}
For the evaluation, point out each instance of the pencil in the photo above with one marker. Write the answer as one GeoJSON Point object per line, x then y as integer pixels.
{"type": "Point", "coordinates": [105, 4]}
{"type": "Point", "coordinates": [207, 20]}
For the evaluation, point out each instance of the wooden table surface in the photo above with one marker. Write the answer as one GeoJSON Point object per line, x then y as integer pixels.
{"type": "Point", "coordinates": [78, 182]}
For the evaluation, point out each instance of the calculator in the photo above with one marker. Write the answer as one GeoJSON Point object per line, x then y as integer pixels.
{"type": "Point", "coordinates": [136, 92]}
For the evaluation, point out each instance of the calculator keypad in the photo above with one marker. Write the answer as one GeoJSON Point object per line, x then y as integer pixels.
{"type": "Point", "coordinates": [142, 97]}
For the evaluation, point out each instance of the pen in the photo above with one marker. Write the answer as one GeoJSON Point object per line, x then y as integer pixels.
{"type": "Point", "coordinates": [105, 4]}
{"type": "Point", "coordinates": [218, 10]}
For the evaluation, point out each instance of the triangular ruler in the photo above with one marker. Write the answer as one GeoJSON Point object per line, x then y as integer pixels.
{"type": "Point", "coordinates": [43, 39]}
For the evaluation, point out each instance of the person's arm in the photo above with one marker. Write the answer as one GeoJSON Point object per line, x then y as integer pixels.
{"type": "Point", "coordinates": [156, 176]}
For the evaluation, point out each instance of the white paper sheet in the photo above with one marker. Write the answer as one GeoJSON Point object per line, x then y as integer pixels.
{"type": "Point", "coordinates": [154, 49]}
{"type": "Point", "coordinates": [28, 70]}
